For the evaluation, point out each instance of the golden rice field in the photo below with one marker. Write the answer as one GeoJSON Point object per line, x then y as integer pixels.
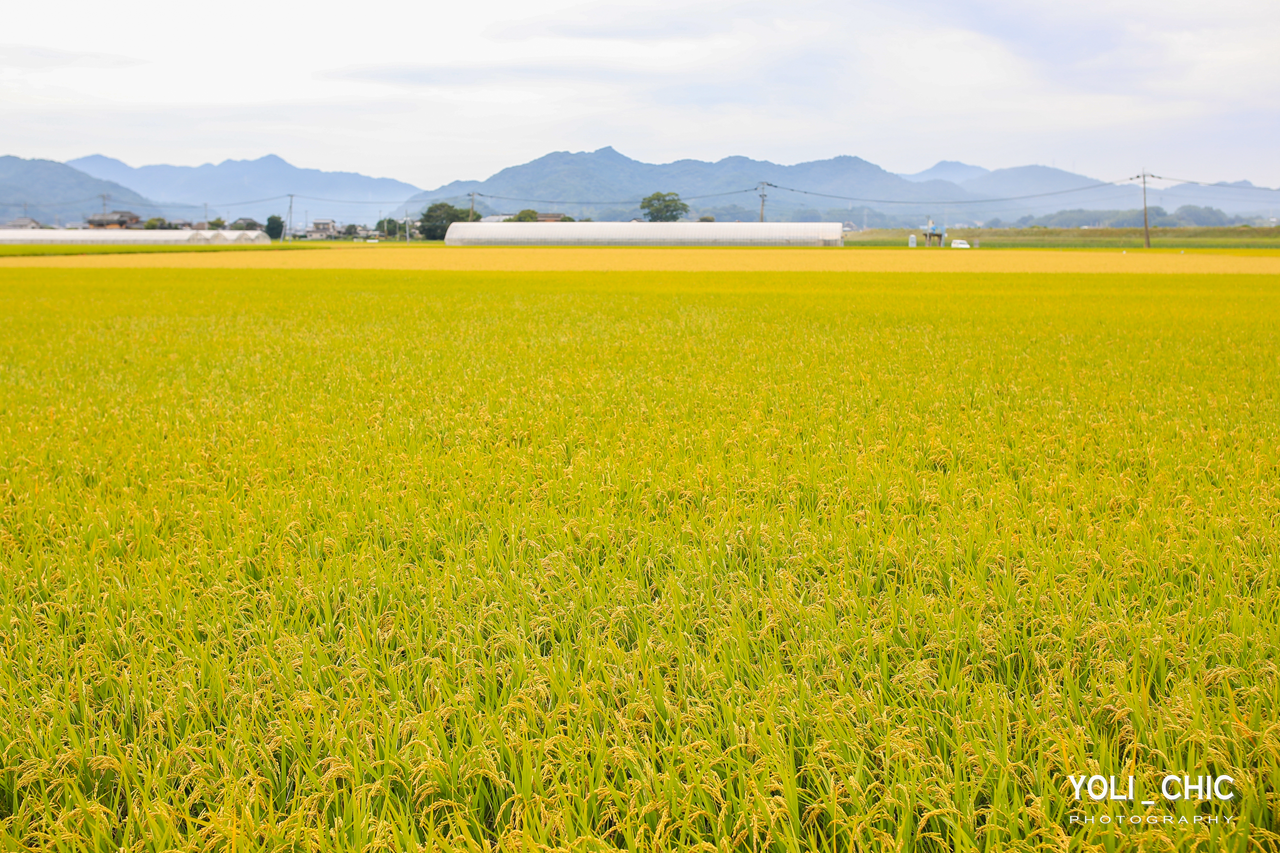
{"type": "Point", "coordinates": [435, 256]}
{"type": "Point", "coordinates": [363, 560]}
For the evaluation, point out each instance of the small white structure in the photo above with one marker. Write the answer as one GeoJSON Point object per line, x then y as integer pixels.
{"type": "Point", "coordinates": [132, 237]}
{"type": "Point", "coordinates": [959, 244]}
{"type": "Point", "coordinates": [645, 234]}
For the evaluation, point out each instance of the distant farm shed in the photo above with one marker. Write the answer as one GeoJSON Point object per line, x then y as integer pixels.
{"type": "Point", "coordinates": [645, 234]}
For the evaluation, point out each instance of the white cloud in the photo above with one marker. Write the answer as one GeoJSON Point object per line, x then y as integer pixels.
{"type": "Point", "coordinates": [433, 92]}
{"type": "Point", "coordinates": [33, 58]}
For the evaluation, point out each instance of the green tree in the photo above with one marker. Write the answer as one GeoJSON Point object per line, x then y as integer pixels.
{"type": "Point", "coordinates": [389, 227]}
{"type": "Point", "coordinates": [664, 207]}
{"type": "Point", "coordinates": [217, 224]}
{"type": "Point", "coordinates": [155, 223]}
{"type": "Point", "coordinates": [524, 216]}
{"type": "Point", "coordinates": [274, 227]}
{"type": "Point", "coordinates": [437, 218]}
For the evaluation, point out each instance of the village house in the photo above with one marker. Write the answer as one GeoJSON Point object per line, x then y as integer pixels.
{"type": "Point", "coordinates": [115, 219]}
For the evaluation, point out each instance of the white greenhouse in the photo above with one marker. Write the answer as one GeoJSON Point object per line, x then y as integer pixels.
{"type": "Point", "coordinates": [131, 237]}
{"type": "Point", "coordinates": [645, 234]}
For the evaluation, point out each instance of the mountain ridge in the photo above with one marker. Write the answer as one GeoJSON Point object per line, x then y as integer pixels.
{"type": "Point", "coordinates": [256, 188]}
{"type": "Point", "coordinates": [603, 184]}
{"type": "Point", "coordinates": [52, 192]}
{"type": "Point", "coordinates": [948, 170]}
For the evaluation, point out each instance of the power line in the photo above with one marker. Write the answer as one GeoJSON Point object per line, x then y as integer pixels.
{"type": "Point", "coordinates": [1098, 185]}
{"type": "Point", "coordinates": [755, 189]}
{"type": "Point", "coordinates": [1216, 186]}
{"type": "Point", "coordinates": [628, 201]}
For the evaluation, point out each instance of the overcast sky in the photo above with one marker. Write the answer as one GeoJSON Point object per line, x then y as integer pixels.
{"type": "Point", "coordinates": [430, 92]}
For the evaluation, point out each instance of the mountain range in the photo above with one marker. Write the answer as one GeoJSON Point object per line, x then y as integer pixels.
{"type": "Point", "coordinates": [606, 184]}
{"type": "Point", "coordinates": [603, 184]}
{"type": "Point", "coordinates": [256, 188]}
{"type": "Point", "coordinates": [54, 193]}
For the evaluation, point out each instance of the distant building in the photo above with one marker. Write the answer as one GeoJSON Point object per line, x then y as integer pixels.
{"type": "Point", "coordinates": [246, 223]}
{"type": "Point", "coordinates": [23, 222]}
{"type": "Point", "coordinates": [114, 219]}
{"type": "Point", "coordinates": [322, 229]}
{"type": "Point", "coordinates": [551, 217]}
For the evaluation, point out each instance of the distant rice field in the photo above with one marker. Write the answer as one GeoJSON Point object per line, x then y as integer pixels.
{"type": "Point", "coordinates": [1237, 237]}
{"type": "Point", "coordinates": [343, 559]}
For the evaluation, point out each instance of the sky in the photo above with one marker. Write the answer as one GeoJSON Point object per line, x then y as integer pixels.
{"type": "Point", "coordinates": [431, 92]}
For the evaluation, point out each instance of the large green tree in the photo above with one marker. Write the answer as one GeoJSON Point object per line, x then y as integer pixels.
{"type": "Point", "coordinates": [437, 218]}
{"type": "Point", "coordinates": [274, 227]}
{"type": "Point", "coordinates": [524, 216]}
{"type": "Point", "coordinates": [664, 207]}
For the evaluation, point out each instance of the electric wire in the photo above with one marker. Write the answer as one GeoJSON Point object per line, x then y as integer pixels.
{"type": "Point", "coordinates": [628, 201]}
{"type": "Point", "coordinates": [759, 187]}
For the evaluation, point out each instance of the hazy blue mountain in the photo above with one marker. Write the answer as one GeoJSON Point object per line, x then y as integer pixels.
{"type": "Point", "coordinates": [235, 188]}
{"type": "Point", "coordinates": [1059, 190]}
{"type": "Point", "coordinates": [603, 184]}
{"type": "Point", "coordinates": [1240, 198]}
{"type": "Point", "coordinates": [948, 170]}
{"type": "Point", "coordinates": [607, 184]}
{"type": "Point", "coordinates": [1054, 190]}
{"type": "Point", "coordinates": [1158, 217]}
{"type": "Point", "coordinates": [1026, 180]}
{"type": "Point", "coordinates": [56, 193]}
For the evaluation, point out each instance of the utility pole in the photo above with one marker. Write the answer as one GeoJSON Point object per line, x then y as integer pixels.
{"type": "Point", "coordinates": [472, 217]}
{"type": "Point", "coordinates": [289, 234]}
{"type": "Point", "coordinates": [104, 197]}
{"type": "Point", "coordinates": [1146, 225]}
{"type": "Point", "coordinates": [206, 214]}
{"type": "Point", "coordinates": [763, 196]}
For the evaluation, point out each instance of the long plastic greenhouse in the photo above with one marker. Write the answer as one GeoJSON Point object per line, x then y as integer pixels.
{"type": "Point", "coordinates": [131, 237]}
{"type": "Point", "coordinates": [645, 234]}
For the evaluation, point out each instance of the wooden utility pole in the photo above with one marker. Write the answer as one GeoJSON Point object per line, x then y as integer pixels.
{"type": "Point", "coordinates": [472, 217]}
{"type": "Point", "coordinates": [1146, 225]}
{"type": "Point", "coordinates": [763, 196]}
